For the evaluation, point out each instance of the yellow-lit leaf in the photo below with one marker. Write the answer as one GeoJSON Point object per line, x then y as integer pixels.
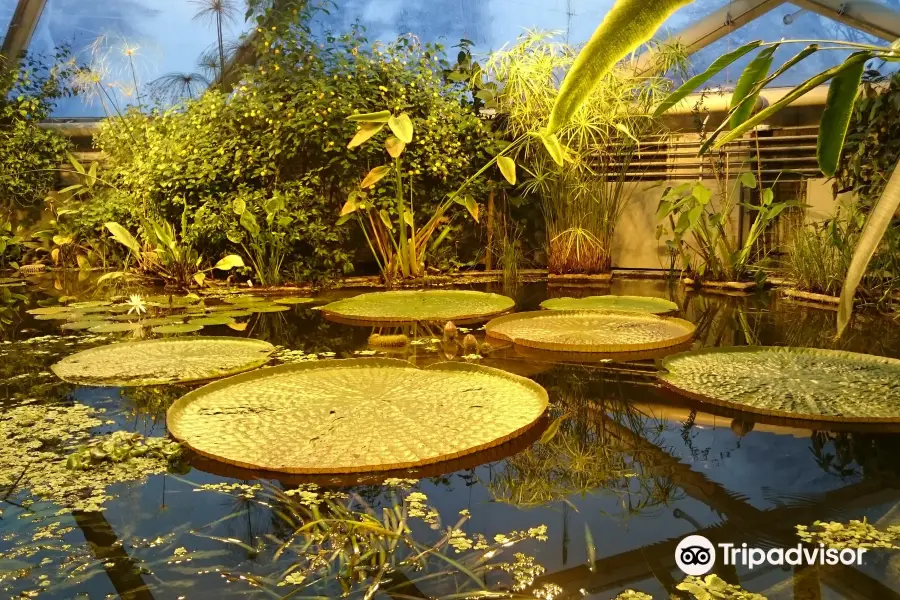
{"type": "Point", "coordinates": [62, 240]}
{"type": "Point", "coordinates": [470, 204]}
{"type": "Point", "coordinates": [552, 429]}
{"type": "Point", "coordinates": [508, 168]}
{"type": "Point", "coordinates": [54, 254]}
{"type": "Point", "coordinates": [239, 206]}
{"type": "Point", "coordinates": [83, 261]}
{"type": "Point", "coordinates": [200, 278]}
{"type": "Point", "coordinates": [381, 116]}
{"type": "Point", "coordinates": [123, 236]}
{"type": "Point", "coordinates": [365, 131]}
{"type": "Point", "coordinates": [394, 146]}
{"type": "Point", "coordinates": [238, 325]}
{"type": "Point", "coordinates": [350, 205]}
{"type": "Point", "coordinates": [374, 176]}
{"type": "Point", "coordinates": [402, 127]}
{"type": "Point", "coordinates": [553, 147]}
{"type": "Point", "coordinates": [229, 262]}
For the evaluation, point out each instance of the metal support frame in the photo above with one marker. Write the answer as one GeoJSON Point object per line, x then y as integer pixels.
{"type": "Point", "coordinates": [21, 27]}
{"type": "Point", "coordinates": [876, 19]}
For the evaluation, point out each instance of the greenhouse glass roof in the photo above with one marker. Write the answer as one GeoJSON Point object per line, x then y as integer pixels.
{"type": "Point", "coordinates": [165, 37]}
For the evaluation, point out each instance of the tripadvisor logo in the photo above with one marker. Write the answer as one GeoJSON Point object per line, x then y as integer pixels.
{"type": "Point", "coordinates": [696, 555]}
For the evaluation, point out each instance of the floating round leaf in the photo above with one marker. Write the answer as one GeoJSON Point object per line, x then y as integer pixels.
{"type": "Point", "coordinates": [49, 310]}
{"type": "Point", "coordinates": [646, 304]}
{"type": "Point", "coordinates": [259, 307]}
{"type": "Point", "coordinates": [428, 305]}
{"type": "Point", "coordinates": [243, 299]}
{"type": "Point", "coordinates": [114, 327]}
{"type": "Point", "coordinates": [177, 328]}
{"type": "Point", "coordinates": [800, 383]}
{"type": "Point", "coordinates": [82, 325]}
{"type": "Point", "coordinates": [216, 320]}
{"type": "Point", "coordinates": [590, 331]}
{"type": "Point", "coordinates": [356, 415]}
{"type": "Point", "coordinates": [90, 304]}
{"type": "Point", "coordinates": [294, 300]}
{"type": "Point", "coordinates": [163, 361]}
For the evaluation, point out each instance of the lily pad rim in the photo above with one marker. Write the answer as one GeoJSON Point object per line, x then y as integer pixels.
{"type": "Point", "coordinates": [672, 307]}
{"type": "Point", "coordinates": [747, 409]}
{"type": "Point", "coordinates": [249, 366]}
{"type": "Point", "coordinates": [172, 418]}
{"type": "Point", "coordinates": [690, 331]}
{"type": "Point", "coordinates": [461, 319]}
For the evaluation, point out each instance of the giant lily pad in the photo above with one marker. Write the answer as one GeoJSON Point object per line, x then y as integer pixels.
{"type": "Point", "coordinates": [356, 415]}
{"type": "Point", "coordinates": [429, 305]}
{"type": "Point", "coordinates": [590, 331]}
{"type": "Point", "coordinates": [157, 362]}
{"type": "Point", "coordinates": [647, 304]}
{"type": "Point", "coordinates": [800, 383]}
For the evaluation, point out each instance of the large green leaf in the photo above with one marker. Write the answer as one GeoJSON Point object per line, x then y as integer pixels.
{"type": "Point", "coordinates": [507, 168]}
{"type": "Point", "coordinates": [787, 99]}
{"type": "Point", "coordinates": [627, 25]}
{"type": "Point", "coordinates": [365, 131]}
{"type": "Point", "coordinates": [229, 262]}
{"type": "Point", "coordinates": [750, 100]}
{"type": "Point", "coordinates": [877, 223]}
{"type": "Point", "coordinates": [745, 91]}
{"type": "Point", "coordinates": [374, 176]}
{"type": "Point", "coordinates": [553, 146]}
{"type": "Point", "coordinates": [123, 236]}
{"type": "Point", "coordinates": [836, 118]}
{"type": "Point", "coordinates": [402, 127]}
{"type": "Point", "coordinates": [381, 116]}
{"type": "Point", "coordinates": [696, 81]}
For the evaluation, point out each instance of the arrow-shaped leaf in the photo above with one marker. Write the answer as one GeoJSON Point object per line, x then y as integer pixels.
{"type": "Point", "coordinates": [507, 168]}
{"type": "Point", "coordinates": [365, 131]}
{"type": "Point", "coordinates": [374, 176]}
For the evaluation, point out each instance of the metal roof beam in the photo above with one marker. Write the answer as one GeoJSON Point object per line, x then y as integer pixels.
{"type": "Point", "coordinates": [715, 26]}
{"type": "Point", "coordinates": [876, 19]}
{"type": "Point", "coordinates": [21, 27]}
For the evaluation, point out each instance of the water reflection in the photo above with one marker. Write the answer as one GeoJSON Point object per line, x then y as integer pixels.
{"type": "Point", "coordinates": [636, 466]}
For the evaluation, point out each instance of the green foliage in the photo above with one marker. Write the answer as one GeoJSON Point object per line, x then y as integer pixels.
{"type": "Point", "coordinates": [291, 225]}
{"type": "Point", "coordinates": [818, 254]}
{"type": "Point", "coordinates": [121, 446]}
{"type": "Point", "coordinates": [578, 173]}
{"type": "Point", "coordinates": [627, 25]}
{"type": "Point", "coordinates": [10, 244]}
{"type": "Point", "coordinates": [699, 223]}
{"type": "Point", "coordinates": [873, 140]}
{"type": "Point", "coordinates": [855, 534]}
{"type": "Point", "coordinates": [29, 154]}
{"type": "Point", "coordinates": [286, 122]}
{"type": "Point", "coordinates": [166, 255]}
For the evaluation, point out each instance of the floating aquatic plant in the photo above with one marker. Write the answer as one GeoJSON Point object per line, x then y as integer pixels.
{"type": "Point", "coordinates": [156, 362]}
{"type": "Point", "coordinates": [855, 534]}
{"type": "Point", "coordinates": [590, 331]}
{"type": "Point", "coordinates": [356, 415]}
{"type": "Point", "coordinates": [428, 305]}
{"type": "Point", "coordinates": [121, 446]}
{"type": "Point", "coordinates": [713, 587]}
{"type": "Point", "coordinates": [803, 383]}
{"type": "Point", "coordinates": [646, 304]}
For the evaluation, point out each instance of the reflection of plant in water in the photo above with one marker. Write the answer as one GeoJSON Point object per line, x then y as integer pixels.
{"type": "Point", "coordinates": [585, 453]}
{"type": "Point", "coordinates": [720, 320]}
{"type": "Point", "coordinates": [854, 454]}
{"type": "Point", "coordinates": [10, 302]}
{"type": "Point", "coordinates": [333, 544]}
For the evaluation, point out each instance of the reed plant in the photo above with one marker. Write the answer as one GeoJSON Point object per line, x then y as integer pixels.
{"type": "Point", "coordinates": [584, 195]}
{"type": "Point", "coordinates": [818, 254]}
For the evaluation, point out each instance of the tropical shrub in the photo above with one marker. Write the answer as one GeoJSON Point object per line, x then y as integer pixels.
{"type": "Point", "coordinates": [29, 154]}
{"type": "Point", "coordinates": [286, 121]}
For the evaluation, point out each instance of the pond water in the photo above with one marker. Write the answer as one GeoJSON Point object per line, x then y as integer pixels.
{"type": "Point", "coordinates": [631, 471]}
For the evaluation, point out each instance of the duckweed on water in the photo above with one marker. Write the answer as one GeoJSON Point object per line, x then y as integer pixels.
{"type": "Point", "coordinates": [713, 587]}
{"type": "Point", "coordinates": [35, 456]}
{"type": "Point", "coordinates": [855, 534]}
{"type": "Point", "coordinates": [122, 446]}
